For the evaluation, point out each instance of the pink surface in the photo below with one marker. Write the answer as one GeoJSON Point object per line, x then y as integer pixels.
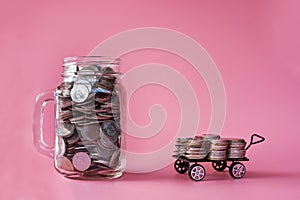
{"type": "Point", "coordinates": [255, 45]}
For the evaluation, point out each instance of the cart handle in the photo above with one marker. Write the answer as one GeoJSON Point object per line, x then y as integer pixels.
{"type": "Point", "coordinates": [261, 139]}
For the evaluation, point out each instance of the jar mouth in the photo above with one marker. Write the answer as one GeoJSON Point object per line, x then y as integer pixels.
{"type": "Point", "coordinates": [90, 66]}
{"type": "Point", "coordinates": [91, 60]}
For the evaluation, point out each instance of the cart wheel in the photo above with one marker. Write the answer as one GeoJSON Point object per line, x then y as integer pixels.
{"type": "Point", "coordinates": [181, 166]}
{"type": "Point", "coordinates": [219, 165]}
{"type": "Point", "coordinates": [237, 170]}
{"type": "Point", "coordinates": [196, 172]}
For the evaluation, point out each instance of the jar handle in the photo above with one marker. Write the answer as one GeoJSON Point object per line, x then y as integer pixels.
{"type": "Point", "coordinates": [38, 119]}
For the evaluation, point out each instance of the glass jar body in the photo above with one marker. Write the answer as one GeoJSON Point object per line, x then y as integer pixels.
{"type": "Point", "coordinates": [89, 106]}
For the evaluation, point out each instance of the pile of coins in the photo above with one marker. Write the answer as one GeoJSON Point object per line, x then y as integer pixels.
{"type": "Point", "coordinates": [209, 140]}
{"type": "Point", "coordinates": [196, 149]}
{"type": "Point", "coordinates": [211, 147]}
{"type": "Point", "coordinates": [236, 148]}
{"type": "Point", "coordinates": [181, 146]}
{"type": "Point", "coordinates": [219, 150]}
{"type": "Point", "coordinates": [88, 132]}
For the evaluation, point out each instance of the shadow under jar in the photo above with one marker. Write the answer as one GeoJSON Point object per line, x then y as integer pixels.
{"type": "Point", "coordinates": [88, 118]}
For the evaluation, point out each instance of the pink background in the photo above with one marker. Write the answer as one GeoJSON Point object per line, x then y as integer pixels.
{"type": "Point", "coordinates": [255, 45]}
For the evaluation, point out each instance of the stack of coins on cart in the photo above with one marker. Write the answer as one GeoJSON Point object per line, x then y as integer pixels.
{"type": "Point", "coordinates": [88, 135]}
{"type": "Point", "coordinates": [196, 150]}
{"type": "Point", "coordinates": [219, 150]}
{"type": "Point", "coordinates": [209, 140]}
{"type": "Point", "coordinates": [181, 146]}
{"type": "Point", "coordinates": [236, 148]}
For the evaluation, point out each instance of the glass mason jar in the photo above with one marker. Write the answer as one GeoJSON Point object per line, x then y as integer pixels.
{"type": "Point", "coordinates": [89, 114]}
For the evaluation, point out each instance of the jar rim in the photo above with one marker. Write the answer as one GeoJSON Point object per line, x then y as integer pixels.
{"type": "Point", "coordinates": [101, 59]}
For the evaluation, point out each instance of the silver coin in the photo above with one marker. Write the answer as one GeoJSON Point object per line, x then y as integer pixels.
{"type": "Point", "coordinates": [83, 82]}
{"type": "Point", "coordinates": [110, 130]}
{"type": "Point", "coordinates": [66, 129]}
{"type": "Point", "coordinates": [79, 93]}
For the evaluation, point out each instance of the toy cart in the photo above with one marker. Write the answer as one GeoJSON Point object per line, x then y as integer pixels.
{"type": "Point", "coordinates": [197, 172]}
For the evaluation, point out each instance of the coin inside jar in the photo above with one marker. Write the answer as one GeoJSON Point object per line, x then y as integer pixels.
{"type": "Point", "coordinates": [79, 93]}
{"type": "Point", "coordinates": [107, 70]}
{"type": "Point", "coordinates": [64, 163]}
{"type": "Point", "coordinates": [114, 160]}
{"type": "Point", "coordinates": [66, 129]}
{"type": "Point", "coordinates": [91, 132]}
{"type": "Point", "coordinates": [83, 82]}
{"type": "Point", "coordinates": [62, 146]}
{"type": "Point", "coordinates": [72, 139]}
{"type": "Point", "coordinates": [109, 129]}
{"type": "Point", "coordinates": [81, 161]}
